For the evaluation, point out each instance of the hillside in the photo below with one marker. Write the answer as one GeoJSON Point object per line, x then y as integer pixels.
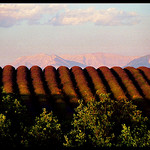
{"type": "Point", "coordinates": [100, 59]}
{"type": "Point", "coordinates": [59, 89]}
{"type": "Point", "coordinates": [141, 61]}
{"type": "Point", "coordinates": [42, 60]}
{"type": "Point", "coordinates": [82, 60]}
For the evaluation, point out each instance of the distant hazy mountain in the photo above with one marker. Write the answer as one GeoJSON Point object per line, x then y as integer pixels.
{"type": "Point", "coordinates": [43, 60]}
{"type": "Point", "coordinates": [100, 59]}
{"type": "Point", "coordinates": [91, 59]}
{"type": "Point", "coordinates": [141, 61]}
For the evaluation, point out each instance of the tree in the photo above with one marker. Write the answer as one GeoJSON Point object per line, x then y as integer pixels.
{"type": "Point", "coordinates": [107, 123]}
{"type": "Point", "coordinates": [13, 118]}
{"type": "Point", "coordinates": [45, 132]}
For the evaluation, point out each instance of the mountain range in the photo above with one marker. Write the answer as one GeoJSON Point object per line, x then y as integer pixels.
{"type": "Point", "coordinates": [141, 61]}
{"type": "Point", "coordinates": [90, 59]}
{"type": "Point", "coordinates": [43, 60]}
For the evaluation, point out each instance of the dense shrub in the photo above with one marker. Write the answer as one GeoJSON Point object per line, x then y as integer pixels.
{"type": "Point", "coordinates": [142, 83]}
{"type": "Point", "coordinates": [96, 80]}
{"type": "Point", "coordinates": [22, 80]}
{"type": "Point", "coordinates": [41, 98]}
{"type": "Point", "coordinates": [105, 122]}
{"type": "Point", "coordinates": [67, 84]}
{"type": "Point", "coordinates": [51, 80]}
{"type": "Point", "coordinates": [145, 71]}
{"type": "Point", "coordinates": [1, 75]}
{"type": "Point", "coordinates": [128, 83]}
{"type": "Point", "coordinates": [8, 78]}
{"type": "Point", "coordinates": [112, 82]}
{"type": "Point", "coordinates": [56, 93]}
{"type": "Point", "coordinates": [36, 75]}
{"type": "Point", "coordinates": [82, 83]}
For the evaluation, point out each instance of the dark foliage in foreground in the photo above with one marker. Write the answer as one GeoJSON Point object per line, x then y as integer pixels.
{"type": "Point", "coordinates": [102, 123]}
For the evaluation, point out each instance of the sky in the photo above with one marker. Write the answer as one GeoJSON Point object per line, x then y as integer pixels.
{"type": "Point", "coordinates": [72, 28]}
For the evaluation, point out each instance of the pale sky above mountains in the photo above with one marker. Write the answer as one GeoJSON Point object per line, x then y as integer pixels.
{"type": "Point", "coordinates": [71, 28]}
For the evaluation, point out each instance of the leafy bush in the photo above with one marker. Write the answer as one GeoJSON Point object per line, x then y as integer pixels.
{"type": "Point", "coordinates": [103, 123]}
{"type": "Point", "coordinates": [136, 137]}
{"type": "Point", "coordinates": [107, 123]}
{"type": "Point", "coordinates": [17, 128]}
{"type": "Point", "coordinates": [4, 130]}
{"type": "Point", "coordinates": [13, 118]}
{"type": "Point", "coordinates": [91, 124]}
{"type": "Point", "coordinates": [45, 132]}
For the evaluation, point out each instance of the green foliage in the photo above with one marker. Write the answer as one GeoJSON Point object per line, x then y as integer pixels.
{"type": "Point", "coordinates": [136, 137]}
{"type": "Point", "coordinates": [4, 130]}
{"type": "Point", "coordinates": [91, 124]}
{"type": "Point", "coordinates": [107, 123]}
{"type": "Point", "coordinates": [13, 118]}
{"type": "Point", "coordinates": [45, 132]}
{"type": "Point", "coordinates": [18, 129]}
{"type": "Point", "coordinates": [12, 107]}
{"type": "Point", "coordinates": [103, 123]}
